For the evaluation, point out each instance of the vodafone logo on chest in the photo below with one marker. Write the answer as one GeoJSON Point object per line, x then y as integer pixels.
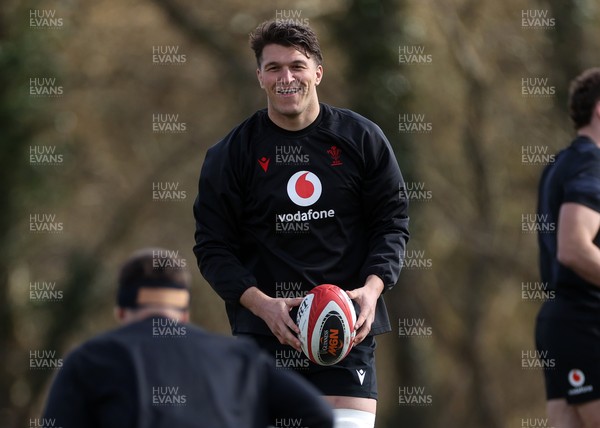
{"type": "Point", "coordinates": [304, 188]}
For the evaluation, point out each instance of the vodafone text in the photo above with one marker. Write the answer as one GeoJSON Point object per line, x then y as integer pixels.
{"type": "Point", "coordinates": [298, 222]}
{"type": "Point", "coordinates": [305, 216]}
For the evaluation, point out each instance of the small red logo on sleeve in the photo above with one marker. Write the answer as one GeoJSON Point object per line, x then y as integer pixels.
{"type": "Point", "coordinates": [335, 154]}
{"type": "Point", "coordinates": [264, 163]}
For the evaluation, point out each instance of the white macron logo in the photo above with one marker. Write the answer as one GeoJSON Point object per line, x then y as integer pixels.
{"type": "Point", "coordinates": [361, 375]}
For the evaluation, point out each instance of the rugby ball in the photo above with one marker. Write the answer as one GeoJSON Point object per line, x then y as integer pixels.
{"type": "Point", "coordinates": [326, 319]}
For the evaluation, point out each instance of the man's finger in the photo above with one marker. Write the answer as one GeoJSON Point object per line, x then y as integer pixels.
{"type": "Point", "coordinates": [361, 334]}
{"type": "Point", "coordinates": [359, 322]}
{"type": "Point", "coordinates": [295, 301]}
{"type": "Point", "coordinates": [359, 339]}
{"type": "Point", "coordinates": [287, 338]}
{"type": "Point", "coordinates": [295, 343]}
{"type": "Point", "coordinates": [292, 325]}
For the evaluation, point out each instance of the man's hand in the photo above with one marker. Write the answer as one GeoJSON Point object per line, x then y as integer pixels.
{"type": "Point", "coordinates": [366, 297]}
{"type": "Point", "coordinates": [276, 313]}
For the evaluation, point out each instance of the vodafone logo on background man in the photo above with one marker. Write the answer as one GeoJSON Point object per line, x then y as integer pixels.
{"type": "Point", "coordinates": [304, 188]}
{"type": "Point", "coordinates": [577, 380]}
{"type": "Point", "coordinates": [576, 377]}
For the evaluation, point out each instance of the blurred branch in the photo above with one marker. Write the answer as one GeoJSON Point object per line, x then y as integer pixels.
{"type": "Point", "coordinates": [212, 40]}
{"type": "Point", "coordinates": [565, 62]}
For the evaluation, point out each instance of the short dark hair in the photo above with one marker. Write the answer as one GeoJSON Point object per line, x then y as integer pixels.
{"type": "Point", "coordinates": [584, 93]}
{"type": "Point", "coordinates": [285, 33]}
{"type": "Point", "coordinates": [150, 268]}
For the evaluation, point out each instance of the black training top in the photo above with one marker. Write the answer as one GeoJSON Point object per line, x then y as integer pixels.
{"type": "Point", "coordinates": [161, 373]}
{"type": "Point", "coordinates": [286, 211]}
{"type": "Point", "coordinates": [573, 177]}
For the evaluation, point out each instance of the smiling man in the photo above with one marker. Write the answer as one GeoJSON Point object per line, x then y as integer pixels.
{"type": "Point", "coordinates": [290, 79]}
{"type": "Point", "coordinates": [301, 194]}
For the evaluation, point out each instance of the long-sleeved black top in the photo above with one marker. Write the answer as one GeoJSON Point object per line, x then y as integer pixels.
{"type": "Point", "coordinates": [286, 211]}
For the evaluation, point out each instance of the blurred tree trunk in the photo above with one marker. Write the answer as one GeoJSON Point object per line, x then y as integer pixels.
{"type": "Point", "coordinates": [369, 34]}
{"type": "Point", "coordinates": [19, 123]}
{"type": "Point", "coordinates": [475, 282]}
{"type": "Point", "coordinates": [565, 62]}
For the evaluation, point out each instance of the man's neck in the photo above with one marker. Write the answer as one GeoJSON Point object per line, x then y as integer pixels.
{"type": "Point", "coordinates": [143, 313]}
{"type": "Point", "coordinates": [592, 132]}
{"type": "Point", "coordinates": [295, 123]}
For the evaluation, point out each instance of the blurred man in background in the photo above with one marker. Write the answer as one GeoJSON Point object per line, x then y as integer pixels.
{"type": "Point", "coordinates": [301, 194]}
{"type": "Point", "coordinates": [159, 371]}
{"type": "Point", "coordinates": [568, 326]}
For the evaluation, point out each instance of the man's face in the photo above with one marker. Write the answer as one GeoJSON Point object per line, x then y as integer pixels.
{"type": "Point", "coordinates": [290, 80]}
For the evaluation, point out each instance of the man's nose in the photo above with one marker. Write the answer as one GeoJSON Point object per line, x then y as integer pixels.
{"type": "Point", "coordinates": [286, 77]}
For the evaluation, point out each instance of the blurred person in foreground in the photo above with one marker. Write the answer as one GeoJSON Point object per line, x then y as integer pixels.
{"type": "Point", "coordinates": [301, 194]}
{"type": "Point", "coordinates": [157, 370]}
{"type": "Point", "coordinates": [568, 326]}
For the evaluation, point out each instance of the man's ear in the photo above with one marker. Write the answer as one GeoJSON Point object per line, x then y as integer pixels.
{"type": "Point", "coordinates": [597, 110]}
{"type": "Point", "coordinates": [319, 74]}
{"type": "Point", "coordinates": [119, 313]}
{"type": "Point", "coordinates": [259, 76]}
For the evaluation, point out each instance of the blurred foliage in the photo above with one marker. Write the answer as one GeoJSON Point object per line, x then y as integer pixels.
{"type": "Point", "coordinates": [469, 162]}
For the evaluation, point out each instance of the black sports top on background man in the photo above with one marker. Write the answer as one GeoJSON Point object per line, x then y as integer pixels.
{"type": "Point", "coordinates": [573, 177]}
{"type": "Point", "coordinates": [319, 205]}
{"type": "Point", "coordinates": [129, 377]}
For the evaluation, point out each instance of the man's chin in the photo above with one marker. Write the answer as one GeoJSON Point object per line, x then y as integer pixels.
{"type": "Point", "coordinates": [288, 111]}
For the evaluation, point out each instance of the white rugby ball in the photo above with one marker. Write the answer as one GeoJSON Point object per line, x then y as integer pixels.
{"type": "Point", "coordinates": [326, 319]}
